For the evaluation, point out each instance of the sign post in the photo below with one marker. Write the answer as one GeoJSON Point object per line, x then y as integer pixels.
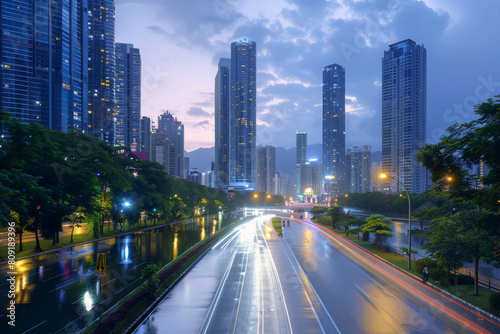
{"type": "Point", "coordinates": [100, 270]}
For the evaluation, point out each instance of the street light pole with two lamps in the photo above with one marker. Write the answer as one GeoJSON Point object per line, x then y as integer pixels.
{"type": "Point", "coordinates": [383, 176]}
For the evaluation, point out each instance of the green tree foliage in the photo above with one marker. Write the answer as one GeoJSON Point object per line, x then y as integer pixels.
{"type": "Point", "coordinates": [317, 210]}
{"type": "Point", "coordinates": [467, 144]}
{"type": "Point", "coordinates": [150, 274]}
{"type": "Point", "coordinates": [335, 212]}
{"type": "Point", "coordinates": [469, 234]}
{"type": "Point", "coordinates": [380, 226]}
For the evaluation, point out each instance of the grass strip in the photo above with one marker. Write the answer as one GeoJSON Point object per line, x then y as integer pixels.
{"type": "Point", "coordinates": [277, 225]}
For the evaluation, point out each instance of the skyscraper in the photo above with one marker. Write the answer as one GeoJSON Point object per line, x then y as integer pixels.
{"type": "Point", "coordinates": [334, 130]}
{"type": "Point", "coordinates": [242, 118]}
{"type": "Point", "coordinates": [222, 107]}
{"type": "Point", "coordinates": [101, 65]}
{"type": "Point", "coordinates": [404, 114]}
{"type": "Point", "coordinates": [174, 131]}
{"type": "Point", "coordinates": [44, 62]}
{"type": "Point", "coordinates": [146, 135]}
{"type": "Point", "coordinates": [266, 169]}
{"type": "Point", "coordinates": [360, 163]}
{"type": "Point", "coordinates": [127, 119]}
{"type": "Point", "coordinates": [300, 158]}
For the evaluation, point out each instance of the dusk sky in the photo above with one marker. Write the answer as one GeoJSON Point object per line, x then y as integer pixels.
{"type": "Point", "coordinates": [181, 43]}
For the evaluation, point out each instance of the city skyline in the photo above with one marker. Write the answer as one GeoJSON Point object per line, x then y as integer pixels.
{"type": "Point", "coordinates": [296, 41]}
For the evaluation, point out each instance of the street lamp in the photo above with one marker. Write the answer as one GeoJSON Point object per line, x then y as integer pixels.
{"type": "Point", "coordinates": [265, 201]}
{"type": "Point", "coordinates": [383, 176]}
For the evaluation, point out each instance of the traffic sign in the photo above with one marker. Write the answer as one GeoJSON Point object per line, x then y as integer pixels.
{"type": "Point", "coordinates": [100, 267]}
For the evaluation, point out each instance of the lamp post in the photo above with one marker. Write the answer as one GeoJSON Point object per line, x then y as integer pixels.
{"type": "Point", "coordinates": [265, 201]}
{"type": "Point", "coordinates": [383, 176]}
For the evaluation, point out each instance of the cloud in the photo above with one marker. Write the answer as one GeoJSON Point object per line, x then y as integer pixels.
{"type": "Point", "coordinates": [198, 112]}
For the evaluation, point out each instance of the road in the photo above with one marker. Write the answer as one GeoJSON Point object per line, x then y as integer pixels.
{"type": "Point", "coordinates": [365, 295]}
{"type": "Point", "coordinates": [239, 287]}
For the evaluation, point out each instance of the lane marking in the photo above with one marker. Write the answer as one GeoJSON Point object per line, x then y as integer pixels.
{"type": "Point", "coordinates": [29, 330]}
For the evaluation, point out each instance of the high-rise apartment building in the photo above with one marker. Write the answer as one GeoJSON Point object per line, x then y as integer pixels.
{"type": "Point", "coordinates": [163, 152]}
{"type": "Point", "coordinates": [146, 135]}
{"type": "Point", "coordinates": [359, 166]}
{"type": "Point", "coordinates": [266, 169]}
{"type": "Point", "coordinates": [127, 118]}
{"type": "Point", "coordinates": [312, 181]}
{"type": "Point", "coordinates": [334, 130]}
{"type": "Point", "coordinates": [243, 115]}
{"type": "Point", "coordinates": [44, 68]}
{"type": "Point", "coordinates": [222, 109]}
{"type": "Point", "coordinates": [300, 157]}
{"type": "Point", "coordinates": [174, 131]}
{"type": "Point", "coordinates": [102, 68]}
{"type": "Point", "coordinates": [235, 118]}
{"type": "Point", "coordinates": [404, 114]}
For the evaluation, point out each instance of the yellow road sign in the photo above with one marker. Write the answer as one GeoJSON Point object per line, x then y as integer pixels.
{"type": "Point", "coordinates": [100, 267]}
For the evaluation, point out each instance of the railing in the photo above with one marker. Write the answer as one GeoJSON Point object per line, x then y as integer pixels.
{"type": "Point", "coordinates": [487, 281]}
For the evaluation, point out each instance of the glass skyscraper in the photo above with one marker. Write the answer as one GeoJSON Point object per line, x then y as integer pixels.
{"type": "Point", "coordinates": [146, 135]}
{"type": "Point", "coordinates": [300, 158]}
{"type": "Point", "coordinates": [334, 130]}
{"type": "Point", "coordinates": [242, 125]}
{"type": "Point", "coordinates": [101, 65]}
{"type": "Point", "coordinates": [404, 113]}
{"type": "Point", "coordinates": [222, 106]}
{"type": "Point", "coordinates": [44, 62]}
{"type": "Point", "coordinates": [127, 119]}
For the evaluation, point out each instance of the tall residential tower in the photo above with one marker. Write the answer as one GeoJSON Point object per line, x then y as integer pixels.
{"type": "Point", "coordinates": [102, 69]}
{"type": "Point", "coordinates": [222, 107]}
{"type": "Point", "coordinates": [334, 130]}
{"type": "Point", "coordinates": [243, 114]}
{"type": "Point", "coordinates": [127, 119]}
{"type": "Point", "coordinates": [404, 113]}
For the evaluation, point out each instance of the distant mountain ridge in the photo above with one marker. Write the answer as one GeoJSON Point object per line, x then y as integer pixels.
{"type": "Point", "coordinates": [285, 158]}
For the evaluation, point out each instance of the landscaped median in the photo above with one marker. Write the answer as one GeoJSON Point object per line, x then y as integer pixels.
{"type": "Point", "coordinates": [464, 292]}
{"type": "Point", "coordinates": [277, 225]}
{"type": "Point", "coordinates": [130, 311]}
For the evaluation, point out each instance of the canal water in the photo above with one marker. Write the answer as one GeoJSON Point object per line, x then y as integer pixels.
{"type": "Point", "coordinates": [58, 292]}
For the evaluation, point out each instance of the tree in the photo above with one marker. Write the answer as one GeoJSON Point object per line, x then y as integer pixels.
{"type": "Point", "coordinates": [317, 210]}
{"type": "Point", "coordinates": [76, 219]}
{"type": "Point", "coordinates": [379, 225]}
{"type": "Point", "coordinates": [469, 234]}
{"type": "Point", "coordinates": [150, 273]}
{"type": "Point", "coordinates": [335, 212]}
{"type": "Point", "coordinates": [467, 144]}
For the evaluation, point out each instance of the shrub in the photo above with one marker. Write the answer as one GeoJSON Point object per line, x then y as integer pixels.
{"type": "Point", "coordinates": [419, 264]}
{"type": "Point", "coordinates": [464, 280]}
{"type": "Point", "coordinates": [366, 236]}
{"type": "Point", "coordinates": [326, 220]}
{"type": "Point", "coordinates": [436, 273]}
{"type": "Point", "coordinates": [494, 300]}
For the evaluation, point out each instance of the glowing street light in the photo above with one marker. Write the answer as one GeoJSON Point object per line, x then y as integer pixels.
{"type": "Point", "coordinates": [384, 176]}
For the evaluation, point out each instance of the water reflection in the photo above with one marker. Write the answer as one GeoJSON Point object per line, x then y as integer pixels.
{"type": "Point", "coordinates": [60, 289]}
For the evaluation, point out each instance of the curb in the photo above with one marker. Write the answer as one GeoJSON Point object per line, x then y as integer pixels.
{"type": "Point", "coordinates": [418, 279]}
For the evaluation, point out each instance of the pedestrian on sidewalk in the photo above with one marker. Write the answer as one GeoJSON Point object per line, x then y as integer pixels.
{"type": "Point", "coordinates": [425, 273]}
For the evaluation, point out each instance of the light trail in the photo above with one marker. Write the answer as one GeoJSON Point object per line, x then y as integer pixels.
{"type": "Point", "coordinates": [441, 307]}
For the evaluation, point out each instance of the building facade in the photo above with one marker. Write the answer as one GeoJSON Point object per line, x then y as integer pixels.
{"type": "Point", "coordinates": [163, 152]}
{"type": "Point", "coordinates": [127, 119]}
{"type": "Point", "coordinates": [404, 114]}
{"type": "Point", "coordinates": [243, 116]}
{"type": "Point", "coordinates": [334, 130]}
{"type": "Point", "coordinates": [174, 131]}
{"type": "Point", "coordinates": [222, 109]}
{"type": "Point", "coordinates": [300, 157]}
{"type": "Point", "coordinates": [44, 68]}
{"type": "Point", "coordinates": [360, 167]}
{"type": "Point", "coordinates": [266, 169]}
{"type": "Point", "coordinates": [146, 135]}
{"type": "Point", "coordinates": [312, 181]}
{"type": "Point", "coordinates": [102, 69]}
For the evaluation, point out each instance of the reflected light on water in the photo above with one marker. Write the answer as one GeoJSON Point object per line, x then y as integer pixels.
{"type": "Point", "coordinates": [176, 249]}
{"type": "Point", "coordinates": [87, 301]}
